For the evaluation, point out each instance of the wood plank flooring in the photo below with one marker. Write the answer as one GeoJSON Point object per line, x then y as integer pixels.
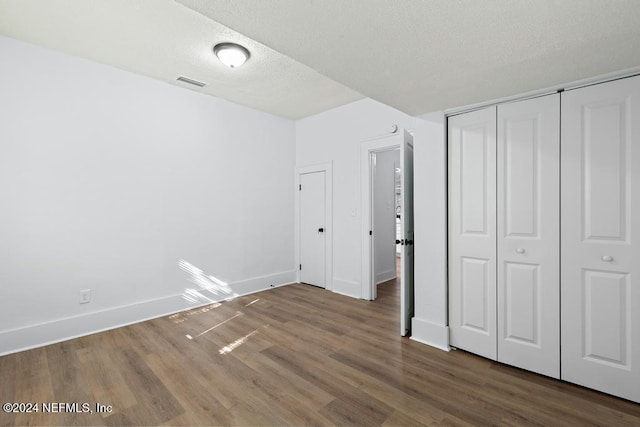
{"type": "Point", "coordinates": [295, 355]}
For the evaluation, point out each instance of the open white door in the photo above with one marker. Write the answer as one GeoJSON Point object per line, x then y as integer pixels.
{"type": "Point", "coordinates": [404, 141]}
{"type": "Point", "coordinates": [406, 254]}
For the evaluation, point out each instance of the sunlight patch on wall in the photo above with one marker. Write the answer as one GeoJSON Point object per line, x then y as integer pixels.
{"type": "Point", "coordinates": [210, 288]}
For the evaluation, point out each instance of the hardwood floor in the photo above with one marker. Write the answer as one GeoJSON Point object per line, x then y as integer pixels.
{"type": "Point", "coordinates": [295, 355]}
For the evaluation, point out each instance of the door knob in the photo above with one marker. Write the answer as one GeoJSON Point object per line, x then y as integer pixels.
{"type": "Point", "coordinates": [408, 242]}
{"type": "Point", "coordinates": [520, 250]}
{"type": "Point", "coordinates": [399, 242]}
{"type": "Point", "coordinates": [607, 258]}
{"type": "Point", "coordinates": [321, 230]}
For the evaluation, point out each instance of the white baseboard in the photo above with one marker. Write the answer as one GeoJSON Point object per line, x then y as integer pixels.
{"type": "Point", "coordinates": [385, 276]}
{"type": "Point", "coordinates": [346, 287]}
{"type": "Point", "coordinates": [38, 335]}
{"type": "Point", "coordinates": [430, 333]}
{"type": "Point", "coordinates": [256, 284]}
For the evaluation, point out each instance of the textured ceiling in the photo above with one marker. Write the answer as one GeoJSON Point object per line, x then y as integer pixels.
{"type": "Point", "coordinates": [163, 39]}
{"type": "Point", "coordinates": [426, 55]}
{"type": "Point", "coordinates": [312, 55]}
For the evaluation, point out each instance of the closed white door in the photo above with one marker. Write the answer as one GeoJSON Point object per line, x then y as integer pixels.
{"type": "Point", "coordinates": [312, 228]}
{"type": "Point", "coordinates": [472, 232]}
{"type": "Point", "coordinates": [528, 234]}
{"type": "Point", "coordinates": [406, 216]}
{"type": "Point", "coordinates": [600, 226]}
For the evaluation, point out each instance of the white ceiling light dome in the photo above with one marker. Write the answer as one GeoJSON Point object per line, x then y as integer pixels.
{"type": "Point", "coordinates": [230, 54]}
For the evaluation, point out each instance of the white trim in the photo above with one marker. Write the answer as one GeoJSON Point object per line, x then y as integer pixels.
{"type": "Point", "coordinates": [602, 78]}
{"type": "Point", "coordinates": [260, 283]}
{"type": "Point", "coordinates": [425, 331]}
{"type": "Point", "coordinates": [344, 287]}
{"type": "Point", "coordinates": [385, 276]}
{"type": "Point", "coordinates": [327, 168]}
{"type": "Point", "coordinates": [430, 333]}
{"type": "Point", "coordinates": [41, 334]}
{"type": "Point", "coordinates": [381, 143]}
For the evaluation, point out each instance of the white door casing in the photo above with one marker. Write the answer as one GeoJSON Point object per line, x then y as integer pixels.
{"type": "Point", "coordinates": [406, 224]}
{"type": "Point", "coordinates": [472, 231]}
{"type": "Point", "coordinates": [404, 141]}
{"type": "Point", "coordinates": [367, 148]}
{"type": "Point", "coordinates": [312, 228]}
{"type": "Point", "coordinates": [600, 221]}
{"type": "Point", "coordinates": [528, 247]}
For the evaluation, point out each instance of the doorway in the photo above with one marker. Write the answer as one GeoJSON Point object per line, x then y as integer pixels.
{"type": "Point", "coordinates": [370, 153]}
{"type": "Point", "coordinates": [385, 215]}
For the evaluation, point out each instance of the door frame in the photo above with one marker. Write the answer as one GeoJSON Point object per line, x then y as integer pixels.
{"type": "Point", "coordinates": [367, 148]}
{"type": "Point", "coordinates": [327, 168]}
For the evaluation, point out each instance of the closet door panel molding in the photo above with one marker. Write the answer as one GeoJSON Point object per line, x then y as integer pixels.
{"type": "Point", "coordinates": [600, 233]}
{"type": "Point", "coordinates": [528, 234]}
{"type": "Point", "coordinates": [472, 222]}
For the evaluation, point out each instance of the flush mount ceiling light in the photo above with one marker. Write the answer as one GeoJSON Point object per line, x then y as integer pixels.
{"type": "Point", "coordinates": [232, 55]}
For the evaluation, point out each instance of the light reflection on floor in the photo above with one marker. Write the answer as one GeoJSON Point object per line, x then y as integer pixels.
{"type": "Point", "coordinates": [184, 315]}
{"type": "Point", "coordinates": [215, 326]}
{"type": "Point", "coordinates": [210, 290]}
{"type": "Point", "coordinates": [230, 347]}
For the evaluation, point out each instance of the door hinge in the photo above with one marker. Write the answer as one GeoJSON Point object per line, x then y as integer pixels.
{"type": "Point", "coordinates": [300, 267]}
{"type": "Point", "coordinates": [300, 187]}
{"type": "Point", "coordinates": [370, 232]}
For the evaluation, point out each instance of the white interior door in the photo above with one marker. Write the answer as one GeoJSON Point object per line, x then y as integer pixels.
{"type": "Point", "coordinates": [472, 231]}
{"type": "Point", "coordinates": [600, 231]}
{"type": "Point", "coordinates": [528, 234]}
{"type": "Point", "coordinates": [406, 217]}
{"type": "Point", "coordinates": [312, 228]}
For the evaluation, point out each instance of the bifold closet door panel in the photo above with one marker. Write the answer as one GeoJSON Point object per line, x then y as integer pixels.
{"type": "Point", "coordinates": [600, 224]}
{"type": "Point", "coordinates": [472, 234]}
{"type": "Point", "coordinates": [528, 203]}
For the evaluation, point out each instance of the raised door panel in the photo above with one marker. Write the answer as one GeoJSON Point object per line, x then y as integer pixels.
{"type": "Point", "coordinates": [473, 162]}
{"type": "Point", "coordinates": [528, 169]}
{"type": "Point", "coordinates": [600, 250]}
{"type": "Point", "coordinates": [606, 318]}
{"type": "Point", "coordinates": [474, 289]}
{"type": "Point", "coordinates": [521, 174]}
{"type": "Point", "coordinates": [472, 228]}
{"type": "Point", "coordinates": [522, 304]}
{"type": "Point", "coordinates": [604, 198]}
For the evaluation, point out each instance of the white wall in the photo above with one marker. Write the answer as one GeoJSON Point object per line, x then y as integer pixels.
{"type": "Point", "coordinates": [109, 179]}
{"type": "Point", "coordinates": [384, 216]}
{"type": "Point", "coordinates": [430, 212]}
{"type": "Point", "coordinates": [336, 135]}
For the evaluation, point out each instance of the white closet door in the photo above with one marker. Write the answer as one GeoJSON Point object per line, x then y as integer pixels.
{"type": "Point", "coordinates": [528, 234]}
{"type": "Point", "coordinates": [472, 232]}
{"type": "Point", "coordinates": [600, 237]}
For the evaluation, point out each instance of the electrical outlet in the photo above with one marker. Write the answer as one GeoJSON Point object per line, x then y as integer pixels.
{"type": "Point", "coordinates": [85, 296]}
